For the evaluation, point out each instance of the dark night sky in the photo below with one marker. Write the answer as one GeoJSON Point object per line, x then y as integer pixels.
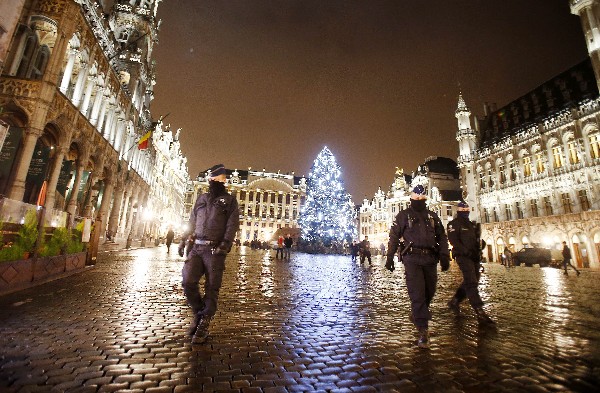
{"type": "Point", "coordinates": [268, 83]}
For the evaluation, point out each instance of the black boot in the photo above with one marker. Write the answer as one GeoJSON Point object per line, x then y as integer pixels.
{"type": "Point", "coordinates": [482, 317]}
{"type": "Point", "coordinates": [201, 331]}
{"type": "Point", "coordinates": [454, 306]}
{"type": "Point", "coordinates": [194, 325]}
{"type": "Point", "coordinates": [423, 341]}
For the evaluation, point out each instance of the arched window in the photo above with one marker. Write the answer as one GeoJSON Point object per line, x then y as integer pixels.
{"type": "Point", "coordinates": [594, 146]}
{"type": "Point", "coordinates": [557, 157]}
{"type": "Point", "coordinates": [527, 169]}
{"type": "Point", "coordinates": [572, 151]}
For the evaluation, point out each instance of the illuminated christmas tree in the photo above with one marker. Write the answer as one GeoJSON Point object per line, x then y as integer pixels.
{"type": "Point", "coordinates": [328, 215]}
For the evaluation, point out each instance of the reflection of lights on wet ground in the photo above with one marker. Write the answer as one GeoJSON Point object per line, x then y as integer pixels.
{"type": "Point", "coordinates": [139, 275]}
{"type": "Point", "coordinates": [557, 304]}
{"type": "Point", "coordinates": [266, 276]}
{"type": "Point", "coordinates": [241, 272]}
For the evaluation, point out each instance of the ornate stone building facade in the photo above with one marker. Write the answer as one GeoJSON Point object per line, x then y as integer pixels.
{"type": "Point", "coordinates": [439, 176]}
{"type": "Point", "coordinates": [532, 167]}
{"type": "Point", "coordinates": [268, 201]}
{"type": "Point", "coordinates": [75, 91]}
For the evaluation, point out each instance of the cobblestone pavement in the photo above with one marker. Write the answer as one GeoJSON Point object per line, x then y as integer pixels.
{"type": "Point", "coordinates": [315, 323]}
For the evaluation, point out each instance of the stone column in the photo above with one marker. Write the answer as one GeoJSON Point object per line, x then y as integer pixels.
{"type": "Point", "coordinates": [113, 221]}
{"type": "Point", "coordinates": [87, 210]}
{"type": "Point", "coordinates": [72, 203]}
{"type": "Point", "coordinates": [125, 212]}
{"type": "Point", "coordinates": [101, 115]}
{"type": "Point", "coordinates": [96, 106]}
{"type": "Point", "coordinates": [66, 79]}
{"type": "Point", "coordinates": [17, 188]}
{"type": "Point", "coordinates": [78, 91]}
{"type": "Point", "coordinates": [129, 225]}
{"type": "Point", "coordinates": [106, 199]}
{"type": "Point", "coordinates": [54, 173]}
{"type": "Point", "coordinates": [89, 88]}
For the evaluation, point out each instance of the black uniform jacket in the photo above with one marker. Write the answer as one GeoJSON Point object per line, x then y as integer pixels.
{"type": "Point", "coordinates": [464, 237]}
{"type": "Point", "coordinates": [215, 218]}
{"type": "Point", "coordinates": [424, 229]}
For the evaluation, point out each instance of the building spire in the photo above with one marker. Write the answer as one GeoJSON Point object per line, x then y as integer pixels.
{"type": "Point", "coordinates": [462, 106]}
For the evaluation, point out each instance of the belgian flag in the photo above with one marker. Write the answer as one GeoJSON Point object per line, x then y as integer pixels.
{"type": "Point", "coordinates": [143, 142]}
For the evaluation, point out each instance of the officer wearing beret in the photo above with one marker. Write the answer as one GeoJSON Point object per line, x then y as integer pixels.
{"type": "Point", "coordinates": [214, 222]}
{"type": "Point", "coordinates": [465, 238]}
{"type": "Point", "coordinates": [424, 244]}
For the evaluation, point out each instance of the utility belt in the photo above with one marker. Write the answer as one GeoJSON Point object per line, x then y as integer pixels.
{"type": "Point", "coordinates": [421, 251]}
{"type": "Point", "coordinates": [202, 242]}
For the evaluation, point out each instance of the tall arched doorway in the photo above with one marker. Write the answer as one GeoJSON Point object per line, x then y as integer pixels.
{"type": "Point", "coordinates": [580, 251]}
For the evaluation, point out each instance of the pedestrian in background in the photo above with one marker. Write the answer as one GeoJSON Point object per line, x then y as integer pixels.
{"type": "Point", "coordinates": [382, 249]}
{"type": "Point", "coordinates": [170, 237]}
{"type": "Point", "coordinates": [464, 236]}
{"type": "Point", "coordinates": [213, 224]}
{"type": "Point", "coordinates": [287, 242]}
{"type": "Point", "coordinates": [507, 256]}
{"type": "Point", "coordinates": [423, 231]}
{"type": "Point", "coordinates": [566, 253]}
{"type": "Point", "coordinates": [279, 247]}
{"type": "Point", "coordinates": [354, 250]}
{"type": "Point", "coordinates": [365, 250]}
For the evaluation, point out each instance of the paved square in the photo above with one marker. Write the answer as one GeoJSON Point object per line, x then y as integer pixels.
{"type": "Point", "coordinates": [314, 323]}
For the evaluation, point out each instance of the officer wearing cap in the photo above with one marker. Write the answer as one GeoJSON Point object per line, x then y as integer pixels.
{"type": "Point", "coordinates": [213, 224]}
{"type": "Point", "coordinates": [465, 237]}
{"type": "Point", "coordinates": [424, 244]}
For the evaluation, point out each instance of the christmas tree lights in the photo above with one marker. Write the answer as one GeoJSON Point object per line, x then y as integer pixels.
{"type": "Point", "coordinates": [328, 215]}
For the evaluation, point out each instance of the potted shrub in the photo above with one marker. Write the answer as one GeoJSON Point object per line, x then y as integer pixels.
{"type": "Point", "coordinates": [28, 234]}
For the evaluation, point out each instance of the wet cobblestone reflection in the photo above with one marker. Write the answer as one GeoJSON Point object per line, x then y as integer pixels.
{"type": "Point", "coordinates": [314, 323]}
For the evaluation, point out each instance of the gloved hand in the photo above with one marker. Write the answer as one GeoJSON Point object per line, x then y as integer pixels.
{"type": "Point", "coordinates": [181, 248]}
{"type": "Point", "coordinates": [389, 264]}
{"type": "Point", "coordinates": [223, 248]}
{"type": "Point", "coordinates": [445, 262]}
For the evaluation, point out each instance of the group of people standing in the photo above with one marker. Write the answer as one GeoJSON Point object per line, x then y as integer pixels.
{"type": "Point", "coordinates": [284, 246]}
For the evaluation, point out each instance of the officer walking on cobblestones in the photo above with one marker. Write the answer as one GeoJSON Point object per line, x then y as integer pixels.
{"type": "Point", "coordinates": [213, 224]}
{"type": "Point", "coordinates": [424, 244]}
{"type": "Point", "coordinates": [566, 253]}
{"type": "Point", "coordinates": [464, 236]}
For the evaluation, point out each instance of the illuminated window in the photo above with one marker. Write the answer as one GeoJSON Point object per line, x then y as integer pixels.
{"type": "Point", "coordinates": [527, 166]}
{"type": "Point", "coordinates": [573, 159]}
{"type": "Point", "coordinates": [513, 170]}
{"type": "Point", "coordinates": [583, 200]}
{"type": "Point", "coordinates": [519, 210]}
{"type": "Point", "coordinates": [502, 174]}
{"type": "Point", "coordinates": [482, 183]}
{"type": "Point", "coordinates": [548, 206]}
{"type": "Point", "coordinates": [508, 212]}
{"type": "Point", "coordinates": [557, 158]}
{"type": "Point", "coordinates": [534, 207]}
{"type": "Point", "coordinates": [490, 177]}
{"type": "Point", "coordinates": [595, 146]}
{"type": "Point", "coordinates": [566, 202]}
{"type": "Point", "coordinates": [539, 160]}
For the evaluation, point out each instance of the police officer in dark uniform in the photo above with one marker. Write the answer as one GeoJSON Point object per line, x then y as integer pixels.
{"type": "Point", "coordinates": [424, 244]}
{"type": "Point", "coordinates": [213, 224]}
{"type": "Point", "coordinates": [465, 238]}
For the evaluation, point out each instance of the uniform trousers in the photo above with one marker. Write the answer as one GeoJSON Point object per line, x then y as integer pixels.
{"type": "Point", "coordinates": [420, 272]}
{"type": "Point", "coordinates": [468, 287]}
{"type": "Point", "coordinates": [202, 262]}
